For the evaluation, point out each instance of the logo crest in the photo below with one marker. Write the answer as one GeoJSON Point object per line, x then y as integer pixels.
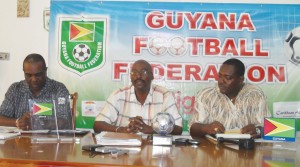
{"type": "Point", "coordinates": [82, 44]}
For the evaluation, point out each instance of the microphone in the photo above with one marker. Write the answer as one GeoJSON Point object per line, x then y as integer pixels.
{"type": "Point", "coordinates": [243, 143]}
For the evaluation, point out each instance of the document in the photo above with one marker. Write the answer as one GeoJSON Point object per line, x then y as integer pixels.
{"type": "Point", "coordinates": [118, 139]}
{"type": "Point", "coordinates": [4, 136]}
{"type": "Point", "coordinates": [8, 129]}
{"type": "Point", "coordinates": [233, 134]}
{"type": "Point", "coordinates": [213, 139]}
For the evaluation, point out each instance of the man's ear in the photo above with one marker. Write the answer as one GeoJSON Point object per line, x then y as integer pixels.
{"type": "Point", "coordinates": [152, 76]}
{"type": "Point", "coordinates": [242, 79]}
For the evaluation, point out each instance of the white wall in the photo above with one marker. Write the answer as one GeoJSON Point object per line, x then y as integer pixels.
{"type": "Point", "coordinates": [21, 36]}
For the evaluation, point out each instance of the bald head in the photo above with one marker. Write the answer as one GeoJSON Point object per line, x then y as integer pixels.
{"type": "Point", "coordinates": [145, 64]}
{"type": "Point", "coordinates": [141, 76]}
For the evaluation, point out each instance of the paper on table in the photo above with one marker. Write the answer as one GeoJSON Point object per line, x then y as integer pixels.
{"type": "Point", "coordinates": [118, 139]}
{"type": "Point", "coordinates": [8, 129]}
{"type": "Point", "coordinates": [233, 134]}
{"type": "Point", "coordinates": [233, 131]}
{"type": "Point", "coordinates": [215, 141]}
{"type": "Point", "coordinates": [4, 136]}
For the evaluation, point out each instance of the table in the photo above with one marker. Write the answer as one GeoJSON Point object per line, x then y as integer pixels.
{"type": "Point", "coordinates": [20, 151]}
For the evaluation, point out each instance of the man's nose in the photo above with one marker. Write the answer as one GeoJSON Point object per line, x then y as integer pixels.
{"type": "Point", "coordinates": [33, 78]}
{"type": "Point", "coordinates": [139, 75]}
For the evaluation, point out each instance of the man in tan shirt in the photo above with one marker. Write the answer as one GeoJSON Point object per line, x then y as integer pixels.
{"type": "Point", "coordinates": [231, 104]}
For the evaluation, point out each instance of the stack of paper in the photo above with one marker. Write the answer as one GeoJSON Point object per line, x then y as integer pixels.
{"type": "Point", "coordinates": [226, 144]}
{"type": "Point", "coordinates": [4, 136]}
{"type": "Point", "coordinates": [233, 134]}
{"type": "Point", "coordinates": [8, 129]}
{"type": "Point", "coordinates": [118, 139]}
{"type": "Point", "coordinates": [7, 132]}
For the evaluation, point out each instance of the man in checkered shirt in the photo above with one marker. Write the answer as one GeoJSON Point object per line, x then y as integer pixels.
{"type": "Point", "coordinates": [131, 109]}
{"type": "Point", "coordinates": [14, 110]}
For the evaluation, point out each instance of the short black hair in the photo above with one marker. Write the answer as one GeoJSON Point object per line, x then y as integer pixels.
{"type": "Point", "coordinates": [238, 66]}
{"type": "Point", "coordinates": [34, 58]}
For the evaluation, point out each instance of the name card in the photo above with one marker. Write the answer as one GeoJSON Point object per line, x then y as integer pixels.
{"type": "Point", "coordinates": [286, 109]}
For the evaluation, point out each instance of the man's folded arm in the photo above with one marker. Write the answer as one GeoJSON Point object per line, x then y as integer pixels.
{"type": "Point", "coordinates": [6, 121]}
{"type": "Point", "coordinates": [100, 126]}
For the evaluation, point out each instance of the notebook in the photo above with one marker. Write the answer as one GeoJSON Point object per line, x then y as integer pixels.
{"type": "Point", "coordinates": [4, 136]}
{"type": "Point", "coordinates": [118, 139]}
{"type": "Point", "coordinates": [233, 134]}
{"type": "Point", "coordinates": [8, 129]}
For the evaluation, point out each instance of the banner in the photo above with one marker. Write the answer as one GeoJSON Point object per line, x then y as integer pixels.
{"type": "Point", "coordinates": [92, 45]}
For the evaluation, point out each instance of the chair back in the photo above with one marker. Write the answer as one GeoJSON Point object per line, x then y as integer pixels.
{"type": "Point", "coordinates": [73, 102]}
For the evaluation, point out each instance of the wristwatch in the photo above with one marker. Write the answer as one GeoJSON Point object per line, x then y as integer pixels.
{"type": "Point", "coordinates": [258, 131]}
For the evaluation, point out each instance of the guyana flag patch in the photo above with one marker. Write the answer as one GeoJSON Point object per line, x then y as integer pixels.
{"type": "Point", "coordinates": [42, 109]}
{"type": "Point", "coordinates": [280, 129]}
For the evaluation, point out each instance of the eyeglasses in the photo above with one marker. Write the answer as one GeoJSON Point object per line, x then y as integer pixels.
{"type": "Point", "coordinates": [143, 73]}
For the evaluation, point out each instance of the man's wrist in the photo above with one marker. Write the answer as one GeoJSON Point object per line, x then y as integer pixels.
{"type": "Point", "coordinates": [258, 130]}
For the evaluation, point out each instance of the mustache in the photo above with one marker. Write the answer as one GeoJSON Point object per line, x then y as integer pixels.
{"type": "Point", "coordinates": [221, 86]}
{"type": "Point", "coordinates": [138, 80]}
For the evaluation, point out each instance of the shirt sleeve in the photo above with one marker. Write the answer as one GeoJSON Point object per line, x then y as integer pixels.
{"type": "Point", "coordinates": [171, 108]}
{"type": "Point", "coordinates": [7, 108]}
{"type": "Point", "coordinates": [262, 109]}
{"type": "Point", "coordinates": [200, 114]}
{"type": "Point", "coordinates": [109, 113]}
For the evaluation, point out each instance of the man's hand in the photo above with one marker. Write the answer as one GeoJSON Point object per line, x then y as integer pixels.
{"type": "Point", "coordinates": [250, 129]}
{"type": "Point", "coordinates": [215, 127]}
{"type": "Point", "coordinates": [24, 122]}
{"type": "Point", "coordinates": [137, 124]}
{"type": "Point", "coordinates": [125, 129]}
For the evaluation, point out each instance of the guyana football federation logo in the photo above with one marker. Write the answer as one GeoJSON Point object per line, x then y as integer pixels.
{"type": "Point", "coordinates": [82, 44]}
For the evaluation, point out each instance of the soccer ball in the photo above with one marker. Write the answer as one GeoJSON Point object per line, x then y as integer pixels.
{"type": "Point", "coordinates": [81, 52]}
{"type": "Point", "coordinates": [177, 46]}
{"type": "Point", "coordinates": [163, 123]}
{"type": "Point", "coordinates": [157, 46]}
{"type": "Point", "coordinates": [292, 46]}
